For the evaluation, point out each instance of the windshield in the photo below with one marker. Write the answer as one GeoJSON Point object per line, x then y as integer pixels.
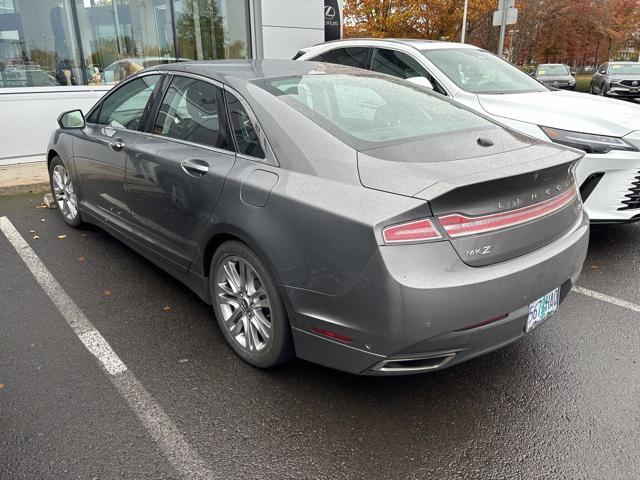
{"type": "Point", "coordinates": [624, 68]}
{"type": "Point", "coordinates": [477, 71]}
{"type": "Point", "coordinates": [368, 110]}
{"type": "Point", "coordinates": [552, 70]}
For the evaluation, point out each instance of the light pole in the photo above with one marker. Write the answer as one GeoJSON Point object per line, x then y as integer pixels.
{"type": "Point", "coordinates": [464, 21]}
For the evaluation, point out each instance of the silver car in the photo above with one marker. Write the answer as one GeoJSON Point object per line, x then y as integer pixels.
{"type": "Point", "coordinates": [346, 217]}
{"type": "Point", "coordinates": [608, 131]}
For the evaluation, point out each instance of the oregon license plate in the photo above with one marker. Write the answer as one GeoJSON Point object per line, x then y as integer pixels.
{"type": "Point", "coordinates": [542, 309]}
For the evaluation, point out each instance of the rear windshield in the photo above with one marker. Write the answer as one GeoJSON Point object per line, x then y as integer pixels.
{"type": "Point", "coordinates": [624, 68]}
{"type": "Point", "coordinates": [549, 70]}
{"type": "Point", "coordinates": [367, 111]}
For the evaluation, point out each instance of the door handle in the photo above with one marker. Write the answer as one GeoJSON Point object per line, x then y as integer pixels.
{"type": "Point", "coordinates": [195, 167]}
{"type": "Point", "coordinates": [116, 145]}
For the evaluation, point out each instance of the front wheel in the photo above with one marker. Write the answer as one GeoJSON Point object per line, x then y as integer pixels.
{"type": "Point", "coordinates": [248, 306]}
{"type": "Point", "coordinates": [64, 193]}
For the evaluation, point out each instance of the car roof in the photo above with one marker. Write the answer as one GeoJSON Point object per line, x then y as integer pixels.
{"type": "Point", "coordinates": [253, 69]}
{"type": "Point", "coordinates": [627, 62]}
{"type": "Point", "coordinates": [420, 44]}
{"type": "Point", "coordinates": [549, 64]}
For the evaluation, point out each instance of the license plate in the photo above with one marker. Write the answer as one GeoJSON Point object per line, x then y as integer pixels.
{"type": "Point", "coordinates": [542, 309]}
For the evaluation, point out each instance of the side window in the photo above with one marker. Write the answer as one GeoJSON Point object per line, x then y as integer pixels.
{"type": "Point", "coordinates": [243, 129]}
{"type": "Point", "coordinates": [351, 57]}
{"type": "Point", "coordinates": [401, 65]}
{"type": "Point", "coordinates": [125, 106]}
{"type": "Point", "coordinates": [190, 112]}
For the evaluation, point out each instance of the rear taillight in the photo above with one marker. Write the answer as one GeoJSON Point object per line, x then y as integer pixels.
{"type": "Point", "coordinates": [414, 231]}
{"type": "Point", "coordinates": [458, 225]}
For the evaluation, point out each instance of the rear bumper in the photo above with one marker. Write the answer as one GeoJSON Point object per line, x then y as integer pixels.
{"type": "Point", "coordinates": [412, 302]}
{"type": "Point", "coordinates": [610, 199]}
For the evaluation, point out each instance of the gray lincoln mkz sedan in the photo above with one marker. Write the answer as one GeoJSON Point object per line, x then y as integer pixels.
{"type": "Point", "coordinates": [343, 216]}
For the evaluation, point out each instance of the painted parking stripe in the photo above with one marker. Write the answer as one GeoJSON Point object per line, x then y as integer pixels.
{"type": "Point", "coordinates": [178, 452]}
{"type": "Point", "coordinates": [607, 298]}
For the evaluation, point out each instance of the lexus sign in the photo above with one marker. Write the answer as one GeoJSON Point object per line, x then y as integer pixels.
{"type": "Point", "coordinates": [332, 20]}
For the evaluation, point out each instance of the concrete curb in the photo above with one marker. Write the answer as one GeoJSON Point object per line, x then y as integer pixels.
{"type": "Point", "coordinates": [22, 189]}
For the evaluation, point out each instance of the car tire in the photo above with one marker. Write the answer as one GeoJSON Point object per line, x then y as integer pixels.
{"type": "Point", "coordinates": [64, 193]}
{"type": "Point", "coordinates": [248, 306]}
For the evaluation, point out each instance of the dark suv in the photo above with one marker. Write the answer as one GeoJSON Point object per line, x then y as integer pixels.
{"type": "Point", "coordinates": [617, 79]}
{"type": "Point", "coordinates": [556, 75]}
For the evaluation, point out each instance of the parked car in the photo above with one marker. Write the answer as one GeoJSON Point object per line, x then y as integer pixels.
{"type": "Point", "coordinates": [617, 79]}
{"type": "Point", "coordinates": [556, 75]}
{"type": "Point", "coordinates": [607, 130]}
{"type": "Point", "coordinates": [356, 220]}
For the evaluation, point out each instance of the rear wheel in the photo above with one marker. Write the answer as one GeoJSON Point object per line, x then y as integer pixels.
{"type": "Point", "coordinates": [64, 193]}
{"type": "Point", "coordinates": [248, 306]}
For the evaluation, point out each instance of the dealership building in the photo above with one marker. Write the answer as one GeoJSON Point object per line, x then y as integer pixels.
{"type": "Point", "coordinates": [57, 55]}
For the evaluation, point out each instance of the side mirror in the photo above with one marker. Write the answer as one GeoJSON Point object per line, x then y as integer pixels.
{"type": "Point", "coordinates": [603, 72]}
{"type": "Point", "coordinates": [573, 74]}
{"type": "Point", "coordinates": [422, 81]}
{"type": "Point", "coordinates": [72, 119]}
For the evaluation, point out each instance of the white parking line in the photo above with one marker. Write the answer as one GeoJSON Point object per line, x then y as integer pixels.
{"type": "Point", "coordinates": [178, 452]}
{"type": "Point", "coordinates": [606, 298]}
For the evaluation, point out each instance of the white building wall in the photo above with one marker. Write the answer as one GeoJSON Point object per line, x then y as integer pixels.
{"type": "Point", "coordinates": [288, 26]}
{"type": "Point", "coordinates": [29, 115]}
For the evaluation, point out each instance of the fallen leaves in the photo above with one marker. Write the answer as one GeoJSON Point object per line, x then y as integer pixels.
{"type": "Point", "coordinates": [36, 237]}
{"type": "Point", "coordinates": [166, 308]}
{"type": "Point", "coordinates": [61, 237]}
{"type": "Point", "coordinates": [81, 259]}
{"type": "Point", "coordinates": [42, 205]}
{"type": "Point", "coordinates": [108, 292]}
{"type": "Point", "coordinates": [1, 386]}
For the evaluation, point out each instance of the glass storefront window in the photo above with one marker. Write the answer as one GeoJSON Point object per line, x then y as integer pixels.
{"type": "Point", "coordinates": [122, 37]}
{"type": "Point", "coordinates": [37, 44]}
{"type": "Point", "coordinates": [213, 29]}
{"type": "Point", "coordinates": [98, 42]}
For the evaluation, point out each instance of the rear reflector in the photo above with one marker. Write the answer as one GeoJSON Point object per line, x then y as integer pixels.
{"type": "Point", "coordinates": [458, 225]}
{"type": "Point", "coordinates": [414, 231]}
{"type": "Point", "coordinates": [330, 334]}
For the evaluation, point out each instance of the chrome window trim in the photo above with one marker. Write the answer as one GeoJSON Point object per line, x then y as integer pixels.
{"type": "Point", "coordinates": [190, 144]}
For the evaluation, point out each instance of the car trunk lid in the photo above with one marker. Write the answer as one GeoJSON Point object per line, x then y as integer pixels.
{"type": "Point", "coordinates": [491, 208]}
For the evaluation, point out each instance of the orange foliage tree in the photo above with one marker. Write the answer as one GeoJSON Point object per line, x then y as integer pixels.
{"type": "Point", "coordinates": [576, 32]}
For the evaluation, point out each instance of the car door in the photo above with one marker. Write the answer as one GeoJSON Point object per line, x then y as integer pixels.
{"type": "Point", "coordinates": [100, 154]}
{"type": "Point", "coordinates": [176, 172]}
{"type": "Point", "coordinates": [402, 65]}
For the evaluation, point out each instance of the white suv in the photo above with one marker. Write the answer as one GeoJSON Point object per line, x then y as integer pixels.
{"type": "Point", "coordinates": [607, 130]}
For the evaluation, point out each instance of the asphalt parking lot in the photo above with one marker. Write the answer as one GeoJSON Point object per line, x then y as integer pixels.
{"type": "Point", "coordinates": [562, 403]}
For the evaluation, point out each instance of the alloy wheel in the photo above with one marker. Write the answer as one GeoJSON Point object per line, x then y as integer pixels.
{"type": "Point", "coordinates": [64, 193]}
{"type": "Point", "coordinates": [244, 304]}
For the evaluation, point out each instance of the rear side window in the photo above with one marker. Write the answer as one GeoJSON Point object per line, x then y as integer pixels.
{"type": "Point", "coordinates": [190, 111]}
{"type": "Point", "coordinates": [243, 129]}
{"type": "Point", "coordinates": [401, 65]}
{"type": "Point", "coordinates": [351, 57]}
{"type": "Point", "coordinates": [125, 107]}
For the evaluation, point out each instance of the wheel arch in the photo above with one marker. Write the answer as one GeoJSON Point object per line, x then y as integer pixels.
{"type": "Point", "coordinates": [226, 232]}
{"type": "Point", "coordinates": [50, 154]}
